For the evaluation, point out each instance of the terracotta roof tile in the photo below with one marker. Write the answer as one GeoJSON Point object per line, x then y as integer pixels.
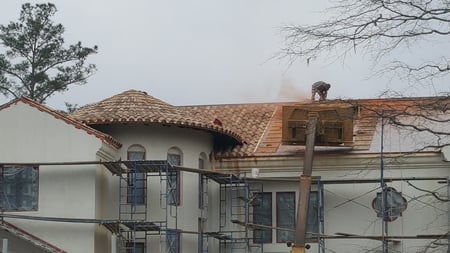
{"type": "Point", "coordinates": [259, 126]}
{"type": "Point", "coordinates": [266, 141]}
{"type": "Point", "coordinates": [249, 120]}
{"type": "Point", "coordinates": [134, 106]}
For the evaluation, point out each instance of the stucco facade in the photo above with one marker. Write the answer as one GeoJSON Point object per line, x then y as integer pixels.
{"type": "Point", "coordinates": [65, 191]}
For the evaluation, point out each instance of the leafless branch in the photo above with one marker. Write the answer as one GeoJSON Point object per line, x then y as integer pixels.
{"type": "Point", "coordinates": [434, 194]}
{"type": "Point", "coordinates": [376, 27]}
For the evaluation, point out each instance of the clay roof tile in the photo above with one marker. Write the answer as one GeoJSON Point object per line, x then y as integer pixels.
{"type": "Point", "coordinates": [134, 106]}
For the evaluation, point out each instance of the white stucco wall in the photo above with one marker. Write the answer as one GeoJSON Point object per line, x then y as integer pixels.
{"type": "Point", "coordinates": [92, 192]}
{"type": "Point", "coordinates": [157, 140]}
{"type": "Point", "coordinates": [31, 136]}
{"type": "Point", "coordinates": [408, 139]}
{"type": "Point", "coordinates": [348, 206]}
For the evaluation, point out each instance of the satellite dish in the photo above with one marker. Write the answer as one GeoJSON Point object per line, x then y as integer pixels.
{"type": "Point", "coordinates": [395, 204]}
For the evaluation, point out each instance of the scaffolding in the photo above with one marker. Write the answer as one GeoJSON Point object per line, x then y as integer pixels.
{"type": "Point", "coordinates": [235, 231]}
{"type": "Point", "coordinates": [203, 243]}
{"type": "Point", "coordinates": [236, 223]}
{"type": "Point", "coordinates": [134, 225]}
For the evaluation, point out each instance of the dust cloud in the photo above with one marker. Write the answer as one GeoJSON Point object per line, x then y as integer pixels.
{"type": "Point", "coordinates": [290, 91]}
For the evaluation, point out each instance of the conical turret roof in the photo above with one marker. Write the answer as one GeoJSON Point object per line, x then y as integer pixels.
{"type": "Point", "coordinates": [138, 107]}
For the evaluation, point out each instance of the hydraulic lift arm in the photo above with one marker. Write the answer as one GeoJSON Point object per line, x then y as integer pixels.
{"type": "Point", "coordinates": [305, 187]}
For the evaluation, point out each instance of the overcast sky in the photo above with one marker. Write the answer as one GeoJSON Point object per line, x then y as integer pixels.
{"type": "Point", "coordinates": [200, 51]}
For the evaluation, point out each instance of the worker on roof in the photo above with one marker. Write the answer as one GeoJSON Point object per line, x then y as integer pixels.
{"type": "Point", "coordinates": [320, 88]}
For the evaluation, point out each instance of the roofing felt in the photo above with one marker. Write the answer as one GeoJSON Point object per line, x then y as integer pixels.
{"type": "Point", "coordinates": [138, 107]}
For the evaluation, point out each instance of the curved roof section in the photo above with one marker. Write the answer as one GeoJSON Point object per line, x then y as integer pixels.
{"type": "Point", "coordinates": [249, 120]}
{"type": "Point", "coordinates": [138, 107]}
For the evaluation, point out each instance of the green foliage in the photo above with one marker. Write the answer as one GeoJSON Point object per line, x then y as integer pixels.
{"type": "Point", "coordinates": [36, 63]}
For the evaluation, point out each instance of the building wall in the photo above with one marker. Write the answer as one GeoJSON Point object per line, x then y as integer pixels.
{"type": "Point", "coordinates": [31, 136]}
{"type": "Point", "coordinates": [91, 191]}
{"type": "Point", "coordinates": [16, 245]}
{"type": "Point", "coordinates": [157, 140]}
{"type": "Point", "coordinates": [348, 206]}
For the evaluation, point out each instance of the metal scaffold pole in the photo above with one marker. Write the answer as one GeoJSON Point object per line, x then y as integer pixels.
{"type": "Point", "coordinates": [448, 214]}
{"type": "Point", "coordinates": [384, 216]}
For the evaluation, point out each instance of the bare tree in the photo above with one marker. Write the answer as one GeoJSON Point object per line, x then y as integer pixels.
{"type": "Point", "coordinates": [424, 123]}
{"type": "Point", "coordinates": [378, 28]}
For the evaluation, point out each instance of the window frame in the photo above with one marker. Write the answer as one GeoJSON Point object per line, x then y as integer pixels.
{"type": "Point", "coordinates": [130, 247]}
{"type": "Point", "coordinates": [270, 239]}
{"type": "Point", "coordinates": [32, 189]}
{"type": "Point", "coordinates": [201, 183]}
{"type": "Point", "coordinates": [177, 239]}
{"type": "Point", "coordinates": [140, 200]}
{"type": "Point", "coordinates": [201, 230]}
{"type": "Point", "coordinates": [313, 202]}
{"type": "Point", "coordinates": [174, 175]}
{"type": "Point", "coordinates": [317, 222]}
{"type": "Point", "coordinates": [292, 234]}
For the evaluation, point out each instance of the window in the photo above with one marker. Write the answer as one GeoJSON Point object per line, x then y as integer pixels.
{"type": "Point", "coordinates": [202, 238]}
{"type": "Point", "coordinates": [19, 188]}
{"type": "Point", "coordinates": [202, 190]}
{"type": "Point", "coordinates": [135, 247]}
{"type": "Point", "coordinates": [137, 182]}
{"type": "Point", "coordinates": [313, 213]}
{"type": "Point", "coordinates": [174, 157]}
{"type": "Point", "coordinates": [172, 241]}
{"type": "Point", "coordinates": [262, 215]}
{"type": "Point", "coordinates": [285, 216]}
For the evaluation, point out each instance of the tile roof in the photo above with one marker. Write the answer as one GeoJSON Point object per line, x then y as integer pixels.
{"type": "Point", "coordinates": [249, 120]}
{"type": "Point", "coordinates": [261, 124]}
{"type": "Point", "coordinates": [258, 126]}
{"type": "Point", "coordinates": [77, 124]}
{"type": "Point", "coordinates": [138, 107]}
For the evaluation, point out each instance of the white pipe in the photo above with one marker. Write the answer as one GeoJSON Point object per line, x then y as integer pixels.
{"type": "Point", "coordinates": [5, 246]}
{"type": "Point", "coordinates": [113, 243]}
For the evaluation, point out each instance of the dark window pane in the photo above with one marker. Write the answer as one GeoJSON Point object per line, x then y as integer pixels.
{"type": "Point", "coordinates": [136, 181]}
{"type": "Point", "coordinates": [201, 163]}
{"type": "Point", "coordinates": [172, 241]}
{"type": "Point", "coordinates": [136, 188]}
{"type": "Point", "coordinates": [136, 155]}
{"type": "Point", "coordinates": [19, 188]}
{"type": "Point", "coordinates": [285, 215]}
{"type": "Point", "coordinates": [262, 214]}
{"type": "Point", "coordinates": [201, 186]}
{"type": "Point", "coordinates": [174, 159]}
{"type": "Point", "coordinates": [173, 181]}
{"type": "Point", "coordinates": [135, 247]}
{"type": "Point", "coordinates": [313, 212]}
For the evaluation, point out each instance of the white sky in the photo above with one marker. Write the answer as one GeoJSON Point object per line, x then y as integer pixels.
{"type": "Point", "coordinates": [200, 51]}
